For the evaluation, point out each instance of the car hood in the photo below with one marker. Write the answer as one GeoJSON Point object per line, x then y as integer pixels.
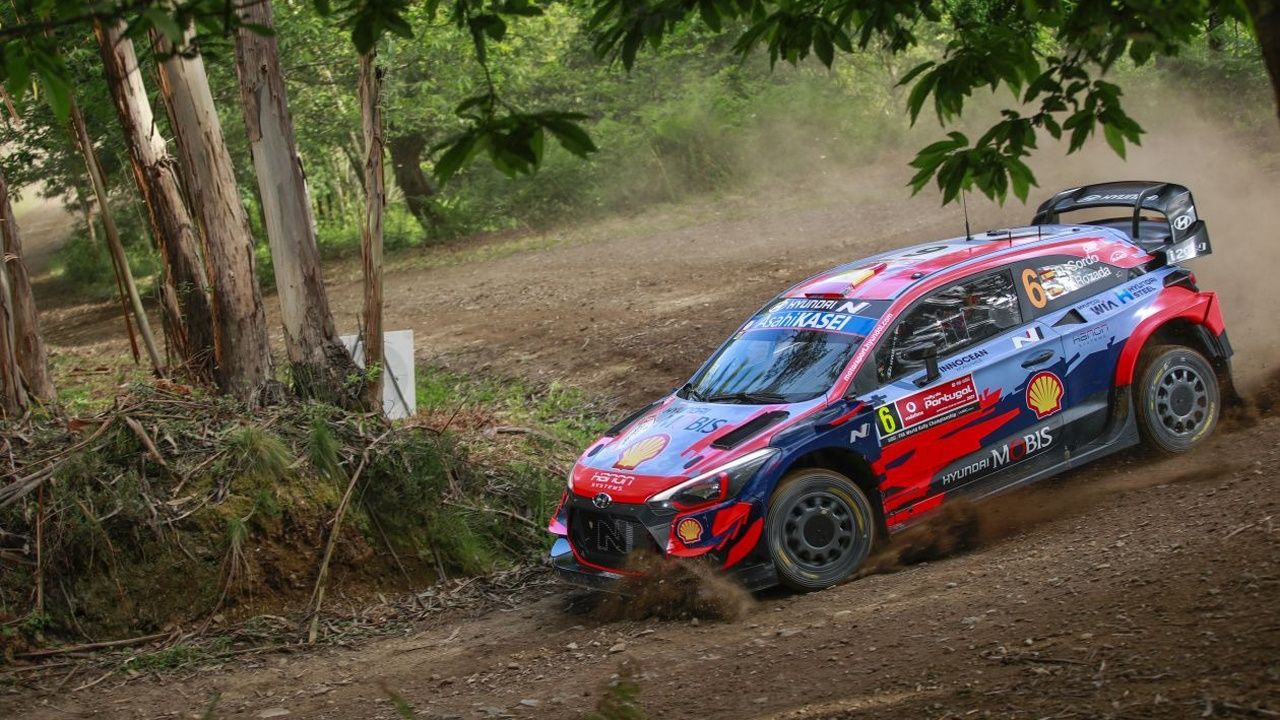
{"type": "Point", "coordinates": [676, 441]}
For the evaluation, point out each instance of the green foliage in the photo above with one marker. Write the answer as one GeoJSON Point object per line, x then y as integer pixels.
{"type": "Point", "coordinates": [562, 411]}
{"type": "Point", "coordinates": [322, 449]}
{"type": "Point", "coordinates": [1050, 55]}
{"type": "Point", "coordinates": [85, 263]}
{"type": "Point", "coordinates": [620, 701]}
{"type": "Point", "coordinates": [257, 454]}
{"type": "Point", "coordinates": [403, 708]}
{"type": "Point", "coordinates": [176, 657]}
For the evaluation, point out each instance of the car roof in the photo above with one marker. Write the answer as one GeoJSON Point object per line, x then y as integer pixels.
{"type": "Point", "coordinates": [889, 275]}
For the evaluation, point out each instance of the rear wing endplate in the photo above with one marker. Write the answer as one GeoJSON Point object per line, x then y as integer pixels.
{"type": "Point", "coordinates": [1187, 236]}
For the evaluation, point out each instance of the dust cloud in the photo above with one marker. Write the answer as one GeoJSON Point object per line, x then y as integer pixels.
{"type": "Point", "coordinates": [961, 526]}
{"type": "Point", "coordinates": [1235, 178]}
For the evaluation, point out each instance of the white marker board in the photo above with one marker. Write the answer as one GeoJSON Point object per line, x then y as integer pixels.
{"type": "Point", "coordinates": [398, 387]}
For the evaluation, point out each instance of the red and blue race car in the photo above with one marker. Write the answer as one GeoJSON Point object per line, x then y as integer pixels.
{"type": "Point", "coordinates": [858, 401]}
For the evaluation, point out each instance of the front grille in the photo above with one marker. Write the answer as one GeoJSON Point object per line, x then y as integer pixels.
{"type": "Point", "coordinates": [606, 538]}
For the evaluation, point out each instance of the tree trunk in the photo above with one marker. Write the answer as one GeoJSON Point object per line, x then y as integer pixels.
{"type": "Point", "coordinates": [1266, 22]}
{"type": "Point", "coordinates": [406, 167]}
{"type": "Point", "coordinates": [320, 365]}
{"type": "Point", "coordinates": [241, 348]}
{"type": "Point", "coordinates": [190, 313]}
{"type": "Point", "coordinates": [13, 392]}
{"type": "Point", "coordinates": [371, 232]}
{"type": "Point", "coordinates": [123, 274]}
{"type": "Point", "coordinates": [28, 345]}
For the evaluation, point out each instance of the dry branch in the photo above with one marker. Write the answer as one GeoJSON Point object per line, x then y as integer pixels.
{"type": "Point", "coordinates": [90, 646]}
{"type": "Point", "coordinates": [317, 595]}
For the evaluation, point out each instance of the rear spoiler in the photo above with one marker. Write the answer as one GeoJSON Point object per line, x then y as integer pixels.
{"type": "Point", "coordinates": [1182, 235]}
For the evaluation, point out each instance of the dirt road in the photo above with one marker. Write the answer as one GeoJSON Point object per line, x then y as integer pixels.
{"type": "Point", "coordinates": [1125, 590]}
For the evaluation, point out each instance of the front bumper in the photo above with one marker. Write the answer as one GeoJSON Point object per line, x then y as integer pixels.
{"type": "Point", "coordinates": [575, 573]}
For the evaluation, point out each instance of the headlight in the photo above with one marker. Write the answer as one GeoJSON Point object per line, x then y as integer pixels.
{"type": "Point", "coordinates": [714, 485]}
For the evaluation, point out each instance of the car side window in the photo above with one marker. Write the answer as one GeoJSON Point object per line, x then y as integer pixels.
{"type": "Point", "coordinates": [1058, 281]}
{"type": "Point", "coordinates": [950, 319]}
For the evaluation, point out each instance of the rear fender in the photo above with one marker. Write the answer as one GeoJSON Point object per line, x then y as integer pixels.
{"type": "Point", "coordinates": [1174, 303]}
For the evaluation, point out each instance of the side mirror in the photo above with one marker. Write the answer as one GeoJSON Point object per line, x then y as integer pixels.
{"type": "Point", "coordinates": [928, 355]}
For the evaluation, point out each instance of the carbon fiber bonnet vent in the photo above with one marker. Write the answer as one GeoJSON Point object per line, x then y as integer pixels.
{"type": "Point", "coordinates": [746, 431]}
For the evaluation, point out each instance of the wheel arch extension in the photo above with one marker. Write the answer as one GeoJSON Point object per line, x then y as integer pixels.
{"type": "Point", "coordinates": [850, 464]}
{"type": "Point", "coordinates": [1197, 325]}
{"type": "Point", "coordinates": [1197, 336]}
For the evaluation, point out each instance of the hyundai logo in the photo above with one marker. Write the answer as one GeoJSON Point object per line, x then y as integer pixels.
{"type": "Point", "coordinates": [602, 501]}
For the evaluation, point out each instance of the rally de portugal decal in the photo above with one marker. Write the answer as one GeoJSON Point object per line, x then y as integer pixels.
{"type": "Point", "coordinates": [1044, 394]}
{"type": "Point", "coordinates": [925, 409]}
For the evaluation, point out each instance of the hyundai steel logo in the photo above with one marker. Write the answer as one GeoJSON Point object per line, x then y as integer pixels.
{"type": "Point", "coordinates": [602, 501]}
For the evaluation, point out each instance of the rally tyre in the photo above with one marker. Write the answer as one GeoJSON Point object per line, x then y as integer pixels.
{"type": "Point", "coordinates": [819, 530]}
{"type": "Point", "coordinates": [1178, 399]}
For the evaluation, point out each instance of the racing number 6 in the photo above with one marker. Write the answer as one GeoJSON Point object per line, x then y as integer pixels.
{"type": "Point", "coordinates": [1035, 291]}
{"type": "Point", "coordinates": [887, 422]}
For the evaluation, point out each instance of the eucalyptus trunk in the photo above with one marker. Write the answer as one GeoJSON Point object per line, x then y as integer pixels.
{"type": "Point", "coordinates": [28, 345]}
{"type": "Point", "coordinates": [189, 305]}
{"type": "Point", "coordinates": [241, 348]}
{"type": "Point", "coordinates": [13, 392]}
{"type": "Point", "coordinates": [115, 247]}
{"type": "Point", "coordinates": [320, 365]}
{"type": "Point", "coordinates": [371, 232]}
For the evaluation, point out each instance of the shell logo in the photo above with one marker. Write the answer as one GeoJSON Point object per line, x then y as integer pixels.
{"type": "Point", "coordinates": [689, 531]}
{"type": "Point", "coordinates": [641, 450]}
{"type": "Point", "coordinates": [1044, 394]}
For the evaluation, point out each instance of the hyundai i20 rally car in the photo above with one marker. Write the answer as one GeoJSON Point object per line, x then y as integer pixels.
{"type": "Point", "coordinates": [856, 402]}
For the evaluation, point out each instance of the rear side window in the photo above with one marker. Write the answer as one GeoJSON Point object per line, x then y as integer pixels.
{"type": "Point", "coordinates": [1058, 281]}
{"type": "Point", "coordinates": [950, 319]}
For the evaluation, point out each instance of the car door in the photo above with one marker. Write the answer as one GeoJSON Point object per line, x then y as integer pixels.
{"type": "Point", "coordinates": [1081, 297]}
{"type": "Point", "coordinates": [993, 409]}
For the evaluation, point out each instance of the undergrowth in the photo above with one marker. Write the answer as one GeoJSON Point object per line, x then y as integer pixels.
{"type": "Point", "coordinates": [232, 515]}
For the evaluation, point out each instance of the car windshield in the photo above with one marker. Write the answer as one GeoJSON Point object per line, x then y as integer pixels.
{"type": "Point", "coordinates": [780, 365]}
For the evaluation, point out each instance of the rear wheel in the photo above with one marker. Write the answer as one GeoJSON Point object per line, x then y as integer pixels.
{"type": "Point", "coordinates": [820, 529]}
{"type": "Point", "coordinates": [1178, 398]}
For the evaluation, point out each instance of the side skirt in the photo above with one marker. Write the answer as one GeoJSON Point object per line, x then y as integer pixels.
{"type": "Point", "coordinates": [1121, 434]}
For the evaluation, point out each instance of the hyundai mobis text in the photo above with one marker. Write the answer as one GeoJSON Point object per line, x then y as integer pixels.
{"type": "Point", "coordinates": [860, 400]}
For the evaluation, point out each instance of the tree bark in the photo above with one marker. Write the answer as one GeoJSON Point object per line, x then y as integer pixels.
{"type": "Point", "coordinates": [28, 345]}
{"type": "Point", "coordinates": [241, 348]}
{"type": "Point", "coordinates": [114, 246]}
{"type": "Point", "coordinates": [320, 365]}
{"type": "Point", "coordinates": [1266, 22]}
{"type": "Point", "coordinates": [406, 168]}
{"type": "Point", "coordinates": [13, 392]}
{"type": "Point", "coordinates": [371, 232]}
{"type": "Point", "coordinates": [190, 313]}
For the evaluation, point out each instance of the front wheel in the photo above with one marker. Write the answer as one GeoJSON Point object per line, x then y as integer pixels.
{"type": "Point", "coordinates": [820, 529]}
{"type": "Point", "coordinates": [1178, 398]}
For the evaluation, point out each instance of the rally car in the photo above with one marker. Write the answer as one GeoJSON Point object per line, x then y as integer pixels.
{"type": "Point", "coordinates": [865, 397]}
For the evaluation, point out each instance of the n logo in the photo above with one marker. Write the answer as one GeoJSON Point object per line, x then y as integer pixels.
{"type": "Point", "coordinates": [860, 432]}
{"type": "Point", "coordinates": [614, 537]}
{"type": "Point", "coordinates": [1032, 336]}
